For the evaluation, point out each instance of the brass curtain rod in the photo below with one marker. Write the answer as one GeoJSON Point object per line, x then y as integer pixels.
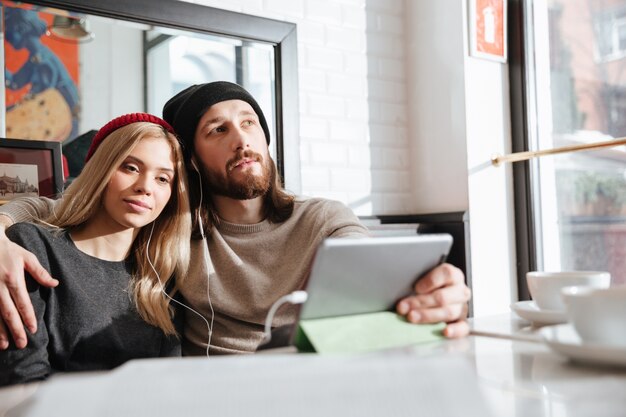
{"type": "Point", "coordinates": [524, 156]}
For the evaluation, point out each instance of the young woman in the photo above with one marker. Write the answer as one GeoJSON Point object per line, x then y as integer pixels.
{"type": "Point", "coordinates": [116, 242]}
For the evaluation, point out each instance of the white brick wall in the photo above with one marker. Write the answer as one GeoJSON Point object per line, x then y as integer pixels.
{"type": "Point", "coordinates": [372, 126]}
{"type": "Point", "coordinates": [353, 112]}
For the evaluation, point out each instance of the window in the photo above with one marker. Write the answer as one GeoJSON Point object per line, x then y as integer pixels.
{"type": "Point", "coordinates": [609, 23]}
{"type": "Point", "coordinates": [572, 205]}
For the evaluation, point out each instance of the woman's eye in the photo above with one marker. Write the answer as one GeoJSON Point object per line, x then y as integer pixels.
{"type": "Point", "coordinates": [163, 180]}
{"type": "Point", "coordinates": [248, 123]}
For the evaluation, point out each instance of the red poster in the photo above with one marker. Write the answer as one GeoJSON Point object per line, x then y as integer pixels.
{"type": "Point", "coordinates": [488, 29]}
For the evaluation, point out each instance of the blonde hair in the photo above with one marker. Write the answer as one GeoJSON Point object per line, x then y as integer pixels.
{"type": "Point", "coordinates": [170, 232]}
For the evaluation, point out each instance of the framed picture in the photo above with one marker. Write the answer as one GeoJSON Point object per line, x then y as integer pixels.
{"type": "Point", "coordinates": [487, 26]}
{"type": "Point", "coordinates": [30, 168]}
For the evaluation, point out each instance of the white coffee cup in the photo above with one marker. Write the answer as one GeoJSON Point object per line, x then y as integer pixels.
{"type": "Point", "coordinates": [597, 314]}
{"type": "Point", "coordinates": [545, 287]}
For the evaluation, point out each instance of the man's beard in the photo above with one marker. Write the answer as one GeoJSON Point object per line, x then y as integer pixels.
{"type": "Point", "coordinates": [246, 188]}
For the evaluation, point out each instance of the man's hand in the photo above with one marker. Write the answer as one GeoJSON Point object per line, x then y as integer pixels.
{"type": "Point", "coordinates": [441, 295]}
{"type": "Point", "coordinates": [15, 305]}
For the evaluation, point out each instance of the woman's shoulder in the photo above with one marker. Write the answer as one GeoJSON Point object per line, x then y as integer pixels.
{"type": "Point", "coordinates": [32, 228]}
{"type": "Point", "coordinates": [28, 231]}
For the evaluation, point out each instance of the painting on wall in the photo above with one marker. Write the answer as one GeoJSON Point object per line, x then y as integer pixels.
{"type": "Point", "coordinates": [488, 29]}
{"type": "Point", "coordinates": [41, 72]}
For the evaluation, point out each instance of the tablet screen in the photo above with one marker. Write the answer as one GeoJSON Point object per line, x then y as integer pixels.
{"type": "Point", "coordinates": [366, 275]}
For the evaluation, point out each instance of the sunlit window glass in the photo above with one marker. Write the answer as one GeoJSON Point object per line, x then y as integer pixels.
{"type": "Point", "coordinates": [579, 93]}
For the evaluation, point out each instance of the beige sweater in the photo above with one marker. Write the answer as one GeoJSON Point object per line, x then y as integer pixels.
{"type": "Point", "coordinates": [247, 268]}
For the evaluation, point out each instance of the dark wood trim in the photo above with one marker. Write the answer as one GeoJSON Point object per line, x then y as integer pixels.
{"type": "Point", "coordinates": [239, 64]}
{"type": "Point", "coordinates": [204, 19]}
{"type": "Point", "coordinates": [522, 193]}
{"type": "Point", "coordinates": [288, 110]}
{"type": "Point", "coordinates": [183, 15]}
{"type": "Point", "coordinates": [453, 216]}
{"type": "Point", "coordinates": [153, 43]}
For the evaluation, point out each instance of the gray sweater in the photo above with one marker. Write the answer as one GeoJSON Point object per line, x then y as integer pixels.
{"type": "Point", "coordinates": [88, 322]}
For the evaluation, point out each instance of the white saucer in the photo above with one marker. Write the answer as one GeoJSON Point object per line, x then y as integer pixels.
{"type": "Point", "coordinates": [528, 310]}
{"type": "Point", "coordinates": [564, 339]}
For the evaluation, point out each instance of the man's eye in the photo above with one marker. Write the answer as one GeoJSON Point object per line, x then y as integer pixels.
{"type": "Point", "coordinates": [248, 123]}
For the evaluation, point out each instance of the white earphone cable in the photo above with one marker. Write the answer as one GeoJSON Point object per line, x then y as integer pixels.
{"type": "Point", "coordinates": [205, 251]}
{"type": "Point", "coordinates": [209, 327]}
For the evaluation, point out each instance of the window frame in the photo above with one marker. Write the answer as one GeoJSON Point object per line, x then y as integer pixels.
{"type": "Point", "coordinates": [521, 110]}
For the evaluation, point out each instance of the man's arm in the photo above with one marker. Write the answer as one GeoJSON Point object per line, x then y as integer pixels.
{"type": "Point", "coordinates": [15, 306]}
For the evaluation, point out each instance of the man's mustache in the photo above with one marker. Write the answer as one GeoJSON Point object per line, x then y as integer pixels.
{"type": "Point", "coordinates": [241, 155]}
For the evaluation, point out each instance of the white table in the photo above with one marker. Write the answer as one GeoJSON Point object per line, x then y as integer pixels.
{"type": "Point", "coordinates": [521, 376]}
{"type": "Point", "coordinates": [502, 370]}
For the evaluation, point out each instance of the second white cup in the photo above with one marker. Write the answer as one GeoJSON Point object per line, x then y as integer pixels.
{"type": "Point", "coordinates": [598, 314]}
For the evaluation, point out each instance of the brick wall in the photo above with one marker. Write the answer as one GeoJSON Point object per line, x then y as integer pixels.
{"type": "Point", "coordinates": [353, 112]}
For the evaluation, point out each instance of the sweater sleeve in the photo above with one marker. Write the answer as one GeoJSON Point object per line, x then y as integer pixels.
{"type": "Point", "coordinates": [26, 209]}
{"type": "Point", "coordinates": [31, 363]}
{"type": "Point", "coordinates": [340, 221]}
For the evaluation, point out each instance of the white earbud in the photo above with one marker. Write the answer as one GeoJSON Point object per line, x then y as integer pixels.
{"type": "Point", "coordinates": [194, 165]}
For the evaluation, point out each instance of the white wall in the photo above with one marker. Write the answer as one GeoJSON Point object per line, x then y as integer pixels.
{"type": "Point", "coordinates": [353, 113]}
{"type": "Point", "coordinates": [437, 105]}
{"type": "Point", "coordinates": [459, 118]}
{"type": "Point", "coordinates": [105, 64]}
{"type": "Point", "coordinates": [491, 208]}
{"type": "Point", "coordinates": [396, 118]}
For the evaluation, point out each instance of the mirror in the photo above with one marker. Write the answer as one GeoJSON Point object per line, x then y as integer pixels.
{"type": "Point", "coordinates": [70, 66]}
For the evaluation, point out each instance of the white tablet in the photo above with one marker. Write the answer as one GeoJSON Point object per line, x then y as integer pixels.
{"type": "Point", "coordinates": [365, 275]}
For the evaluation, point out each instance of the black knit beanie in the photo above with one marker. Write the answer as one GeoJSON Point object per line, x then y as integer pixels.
{"type": "Point", "coordinates": [185, 109]}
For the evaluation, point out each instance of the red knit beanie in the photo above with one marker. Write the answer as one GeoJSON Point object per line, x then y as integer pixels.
{"type": "Point", "coordinates": [122, 121]}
